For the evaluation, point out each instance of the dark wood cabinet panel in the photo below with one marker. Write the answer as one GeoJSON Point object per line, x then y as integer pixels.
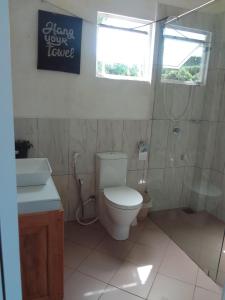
{"type": "Point", "coordinates": [41, 253]}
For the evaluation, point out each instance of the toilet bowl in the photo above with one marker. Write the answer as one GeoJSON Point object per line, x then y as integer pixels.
{"type": "Point", "coordinates": [118, 205]}
{"type": "Point", "coordinates": [122, 206]}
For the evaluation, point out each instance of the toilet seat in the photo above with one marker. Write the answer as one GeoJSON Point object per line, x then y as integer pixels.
{"type": "Point", "coordinates": [123, 197]}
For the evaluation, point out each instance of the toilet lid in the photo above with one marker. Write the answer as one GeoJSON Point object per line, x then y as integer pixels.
{"type": "Point", "coordinates": [123, 197]}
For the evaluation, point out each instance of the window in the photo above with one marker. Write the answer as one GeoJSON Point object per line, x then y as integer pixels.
{"type": "Point", "coordinates": [186, 55]}
{"type": "Point", "coordinates": [123, 48]}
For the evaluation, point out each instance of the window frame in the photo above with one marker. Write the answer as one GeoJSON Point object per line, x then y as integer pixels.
{"type": "Point", "coordinates": [205, 57]}
{"type": "Point", "coordinates": [148, 57]}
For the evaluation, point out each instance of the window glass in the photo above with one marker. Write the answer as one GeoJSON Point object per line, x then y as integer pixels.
{"type": "Point", "coordinates": [185, 55]}
{"type": "Point", "coordinates": [123, 48]}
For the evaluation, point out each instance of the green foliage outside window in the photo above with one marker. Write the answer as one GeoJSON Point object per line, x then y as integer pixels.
{"type": "Point", "coordinates": [190, 71]}
{"type": "Point", "coordinates": [119, 69]}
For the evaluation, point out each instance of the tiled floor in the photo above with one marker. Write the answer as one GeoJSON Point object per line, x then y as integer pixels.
{"type": "Point", "coordinates": [147, 266]}
{"type": "Point", "coordinates": [200, 235]}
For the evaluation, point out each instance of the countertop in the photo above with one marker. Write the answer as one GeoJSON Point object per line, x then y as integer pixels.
{"type": "Point", "coordinates": [41, 198]}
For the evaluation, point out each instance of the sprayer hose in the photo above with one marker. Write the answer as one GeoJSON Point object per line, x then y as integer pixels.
{"type": "Point", "coordinates": [78, 212]}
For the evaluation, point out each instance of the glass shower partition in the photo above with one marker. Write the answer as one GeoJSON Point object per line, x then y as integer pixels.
{"type": "Point", "coordinates": [187, 164]}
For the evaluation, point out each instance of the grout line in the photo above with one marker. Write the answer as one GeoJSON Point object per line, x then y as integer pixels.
{"type": "Point", "coordinates": [149, 119]}
{"type": "Point", "coordinates": [175, 278]}
{"type": "Point", "coordinates": [123, 290]}
{"type": "Point", "coordinates": [93, 277]}
{"type": "Point", "coordinates": [73, 271]}
{"type": "Point", "coordinates": [157, 273]}
{"type": "Point", "coordinates": [205, 289]}
{"type": "Point", "coordinates": [76, 268]}
{"type": "Point", "coordinates": [193, 298]}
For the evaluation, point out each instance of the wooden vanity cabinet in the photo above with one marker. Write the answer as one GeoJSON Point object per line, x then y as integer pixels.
{"type": "Point", "coordinates": [41, 254]}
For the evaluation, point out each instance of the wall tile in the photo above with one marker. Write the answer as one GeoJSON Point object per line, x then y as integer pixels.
{"type": "Point", "coordinates": [27, 129]}
{"type": "Point", "coordinates": [68, 192]}
{"type": "Point", "coordinates": [173, 187]}
{"type": "Point", "coordinates": [137, 180]}
{"type": "Point", "coordinates": [110, 135]}
{"type": "Point", "coordinates": [133, 133]}
{"type": "Point", "coordinates": [206, 144]}
{"type": "Point", "coordinates": [187, 193]}
{"type": "Point", "coordinates": [219, 152]}
{"type": "Point", "coordinates": [165, 187]}
{"type": "Point", "coordinates": [173, 101]}
{"type": "Point", "coordinates": [163, 95]}
{"type": "Point", "coordinates": [220, 53]}
{"type": "Point", "coordinates": [214, 201]}
{"type": "Point", "coordinates": [197, 98]}
{"type": "Point", "coordinates": [53, 136]}
{"type": "Point", "coordinates": [213, 95]}
{"type": "Point", "coordinates": [181, 102]}
{"type": "Point", "coordinates": [68, 195]}
{"type": "Point", "coordinates": [182, 146]}
{"type": "Point", "coordinates": [221, 208]}
{"type": "Point", "coordinates": [158, 146]}
{"type": "Point", "coordinates": [222, 107]}
{"type": "Point", "coordinates": [83, 140]}
{"type": "Point", "coordinates": [155, 186]}
{"type": "Point", "coordinates": [88, 189]}
{"type": "Point", "coordinates": [199, 187]}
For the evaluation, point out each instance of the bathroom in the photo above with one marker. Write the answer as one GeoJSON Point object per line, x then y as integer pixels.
{"type": "Point", "coordinates": [163, 126]}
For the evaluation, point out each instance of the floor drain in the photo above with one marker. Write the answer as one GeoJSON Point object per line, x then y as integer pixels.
{"type": "Point", "coordinates": [188, 211]}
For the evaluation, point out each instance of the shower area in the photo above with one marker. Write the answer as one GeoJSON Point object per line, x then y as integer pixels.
{"type": "Point", "coordinates": [187, 158]}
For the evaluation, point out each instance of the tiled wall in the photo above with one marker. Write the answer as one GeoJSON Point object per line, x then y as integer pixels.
{"type": "Point", "coordinates": [168, 168]}
{"type": "Point", "coordinates": [58, 139]}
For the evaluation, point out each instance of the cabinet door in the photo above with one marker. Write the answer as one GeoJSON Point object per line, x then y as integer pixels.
{"type": "Point", "coordinates": [41, 248]}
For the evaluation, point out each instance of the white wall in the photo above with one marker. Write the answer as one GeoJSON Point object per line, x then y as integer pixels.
{"type": "Point", "coordinates": [40, 93]}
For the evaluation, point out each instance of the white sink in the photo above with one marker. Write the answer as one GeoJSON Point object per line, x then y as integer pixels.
{"type": "Point", "coordinates": [32, 171]}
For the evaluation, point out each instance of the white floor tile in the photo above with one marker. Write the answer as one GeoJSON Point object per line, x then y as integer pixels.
{"type": "Point", "coordinates": [115, 248]}
{"type": "Point", "coordinates": [100, 266]}
{"type": "Point", "coordinates": [165, 288]}
{"type": "Point", "coordinates": [67, 273]}
{"type": "Point", "coordinates": [93, 260]}
{"type": "Point", "coordinates": [112, 293]}
{"type": "Point", "coordinates": [145, 255]}
{"type": "Point", "coordinates": [135, 232]}
{"type": "Point", "coordinates": [154, 238]}
{"type": "Point", "coordinates": [74, 254]}
{"type": "Point", "coordinates": [150, 225]}
{"type": "Point", "coordinates": [221, 278]}
{"type": "Point", "coordinates": [201, 294]}
{"type": "Point", "coordinates": [81, 287]}
{"type": "Point", "coordinates": [207, 283]}
{"type": "Point", "coordinates": [177, 264]}
{"type": "Point", "coordinates": [85, 236]}
{"type": "Point", "coordinates": [134, 279]}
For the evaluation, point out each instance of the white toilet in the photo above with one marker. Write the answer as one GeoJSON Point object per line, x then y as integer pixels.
{"type": "Point", "coordinates": [118, 205]}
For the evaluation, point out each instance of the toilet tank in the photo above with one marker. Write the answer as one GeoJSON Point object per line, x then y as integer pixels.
{"type": "Point", "coordinates": [111, 169]}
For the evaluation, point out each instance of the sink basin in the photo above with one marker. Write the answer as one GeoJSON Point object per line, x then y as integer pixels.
{"type": "Point", "coordinates": [32, 171]}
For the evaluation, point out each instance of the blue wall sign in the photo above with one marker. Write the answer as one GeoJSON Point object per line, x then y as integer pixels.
{"type": "Point", "coordinates": [59, 42]}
